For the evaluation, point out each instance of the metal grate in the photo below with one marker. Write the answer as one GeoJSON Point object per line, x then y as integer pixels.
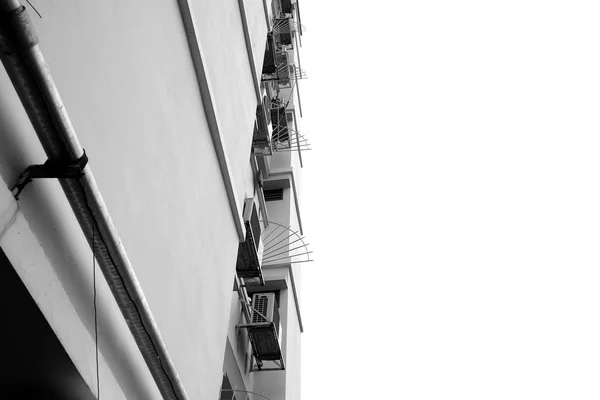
{"type": "Point", "coordinates": [273, 194]}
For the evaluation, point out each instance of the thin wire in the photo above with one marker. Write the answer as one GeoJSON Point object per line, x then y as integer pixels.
{"type": "Point", "coordinates": [34, 9]}
{"type": "Point", "coordinates": [95, 302]}
{"type": "Point", "coordinates": [135, 305]}
{"type": "Point", "coordinates": [95, 313]}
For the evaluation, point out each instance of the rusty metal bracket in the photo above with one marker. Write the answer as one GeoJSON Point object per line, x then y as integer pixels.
{"type": "Point", "coordinates": [50, 169]}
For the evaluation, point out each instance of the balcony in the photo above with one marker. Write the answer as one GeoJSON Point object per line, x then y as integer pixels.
{"type": "Point", "coordinates": [261, 319]}
{"type": "Point", "coordinates": [282, 244]}
{"type": "Point", "coordinates": [264, 331]}
{"type": "Point", "coordinates": [276, 66]}
{"type": "Point", "coordinates": [284, 136]}
{"type": "Point", "coordinates": [283, 68]}
{"type": "Point", "coordinates": [280, 125]}
{"type": "Point", "coordinates": [282, 29]}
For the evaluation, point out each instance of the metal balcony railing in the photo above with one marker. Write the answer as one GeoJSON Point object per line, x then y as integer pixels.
{"type": "Point", "coordinates": [280, 124]}
{"type": "Point", "coordinates": [284, 245]}
{"type": "Point", "coordinates": [282, 29]}
{"type": "Point", "coordinates": [284, 136]}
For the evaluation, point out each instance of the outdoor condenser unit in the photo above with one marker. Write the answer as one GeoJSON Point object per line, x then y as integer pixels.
{"type": "Point", "coordinates": [263, 305]}
{"type": "Point", "coordinates": [264, 330]}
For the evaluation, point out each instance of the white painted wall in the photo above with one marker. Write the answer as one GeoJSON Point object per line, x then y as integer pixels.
{"type": "Point", "coordinates": [127, 80]}
{"type": "Point", "coordinates": [258, 27]}
{"type": "Point", "coordinates": [221, 31]}
{"type": "Point", "coordinates": [275, 384]}
{"type": "Point", "coordinates": [283, 384]}
{"type": "Point", "coordinates": [292, 351]}
{"type": "Point", "coordinates": [76, 335]}
{"type": "Point", "coordinates": [280, 211]}
{"type": "Point", "coordinates": [239, 343]}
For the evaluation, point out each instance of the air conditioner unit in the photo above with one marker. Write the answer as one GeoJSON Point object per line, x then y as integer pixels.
{"type": "Point", "coordinates": [263, 307]}
{"type": "Point", "coordinates": [250, 251]}
{"type": "Point", "coordinates": [264, 329]}
{"type": "Point", "coordinates": [261, 140]}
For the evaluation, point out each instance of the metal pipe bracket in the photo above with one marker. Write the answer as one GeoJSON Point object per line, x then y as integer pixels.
{"type": "Point", "coordinates": [50, 169]}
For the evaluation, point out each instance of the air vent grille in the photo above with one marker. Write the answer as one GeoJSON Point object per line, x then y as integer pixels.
{"type": "Point", "coordinates": [260, 304]}
{"type": "Point", "coordinates": [273, 194]}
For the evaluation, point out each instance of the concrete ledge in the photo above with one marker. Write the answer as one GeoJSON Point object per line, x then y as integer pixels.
{"type": "Point", "coordinates": [208, 102]}
{"type": "Point", "coordinates": [249, 50]}
{"type": "Point", "coordinates": [31, 264]}
{"type": "Point", "coordinates": [266, 8]}
{"type": "Point", "coordinates": [8, 214]}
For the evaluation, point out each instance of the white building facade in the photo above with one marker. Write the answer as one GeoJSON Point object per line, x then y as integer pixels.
{"type": "Point", "coordinates": [174, 108]}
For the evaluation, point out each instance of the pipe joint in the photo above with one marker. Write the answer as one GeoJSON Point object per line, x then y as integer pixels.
{"type": "Point", "coordinates": [16, 31]}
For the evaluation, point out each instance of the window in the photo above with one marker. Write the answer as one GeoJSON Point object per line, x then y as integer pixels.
{"type": "Point", "coordinates": [273, 194]}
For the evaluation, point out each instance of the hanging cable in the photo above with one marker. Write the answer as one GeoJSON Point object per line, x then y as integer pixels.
{"type": "Point", "coordinates": [95, 313]}
{"type": "Point", "coordinates": [29, 73]}
{"type": "Point", "coordinates": [94, 227]}
{"type": "Point", "coordinates": [95, 302]}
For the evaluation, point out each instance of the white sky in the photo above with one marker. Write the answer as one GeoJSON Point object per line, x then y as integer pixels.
{"type": "Point", "coordinates": [452, 199]}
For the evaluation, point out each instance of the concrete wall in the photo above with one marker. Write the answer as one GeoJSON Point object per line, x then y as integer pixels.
{"type": "Point", "coordinates": [278, 385]}
{"type": "Point", "coordinates": [281, 160]}
{"type": "Point", "coordinates": [285, 213]}
{"type": "Point", "coordinates": [283, 384]}
{"type": "Point", "coordinates": [127, 80]}
{"type": "Point", "coordinates": [293, 353]}
{"type": "Point", "coordinates": [237, 359]}
{"type": "Point", "coordinates": [221, 31]}
{"type": "Point", "coordinates": [64, 295]}
{"type": "Point", "coordinates": [280, 211]}
{"type": "Point", "coordinates": [258, 27]}
{"type": "Point", "coordinates": [237, 378]}
{"type": "Point", "coordinates": [273, 383]}
{"type": "Point", "coordinates": [34, 364]}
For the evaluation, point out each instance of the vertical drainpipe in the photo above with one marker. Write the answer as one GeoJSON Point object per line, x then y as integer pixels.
{"type": "Point", "coordinates": [30, 75]}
